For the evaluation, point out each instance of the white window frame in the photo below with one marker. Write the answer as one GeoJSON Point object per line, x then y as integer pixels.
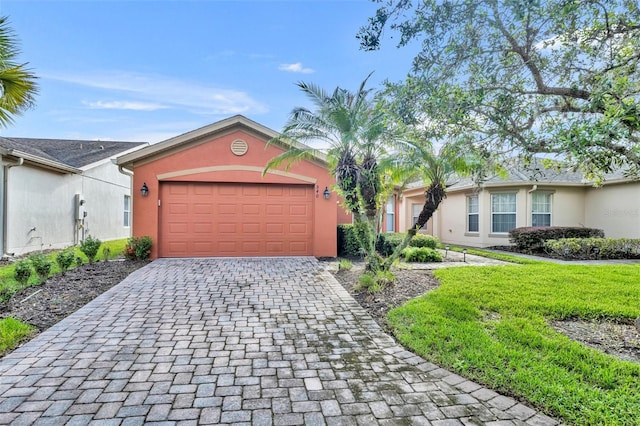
{"type": "Point", "coordinates": [126, 218]}
{"type": "Point", "coordinates": [513, 213]}
{"type": "Point", "coordinates": [549, 206]}
{"type": "Point", "coordinates": [390, 214]}
{"type": "Point", "coordinates": [415, 215]}
{"type": "Point", "coordinates": [470, 213]}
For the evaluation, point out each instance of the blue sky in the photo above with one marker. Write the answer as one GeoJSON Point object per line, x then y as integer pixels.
{"type": "Point", "coordinates": [149, 70]}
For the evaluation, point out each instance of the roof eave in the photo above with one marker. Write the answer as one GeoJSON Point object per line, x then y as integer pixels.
{"type": "Point", "coordinates": [128, 160]}
{"type": "Point", "coordinates": [43, 162]}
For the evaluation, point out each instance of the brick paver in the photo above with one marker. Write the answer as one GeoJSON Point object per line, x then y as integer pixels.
{"type": "Point", "coordinates": [273, 341]}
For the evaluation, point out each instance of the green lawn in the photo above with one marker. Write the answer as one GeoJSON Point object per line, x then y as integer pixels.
{"type": "Point", "coordinates": [12, 331]}
{"type": "Point", "coordinates": [490, 324]}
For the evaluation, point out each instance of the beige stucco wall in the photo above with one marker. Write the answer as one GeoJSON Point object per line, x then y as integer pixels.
{"type": "Point", "coordinates": [41, 206]}
{"type": "Point", "coordinates": [450, 222]}
{"type": "Point", "coordinates": [614, 208]}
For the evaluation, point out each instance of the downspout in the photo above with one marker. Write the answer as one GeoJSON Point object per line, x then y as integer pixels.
{"type": "Point", "coordinates": [526, 204]}
{"type": "Point", "coordinates": [5, 227]}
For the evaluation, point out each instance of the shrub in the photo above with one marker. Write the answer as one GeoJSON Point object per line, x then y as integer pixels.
{"type": "Point", "coordinates": [22, 271]}
{"type": "Point", "coordinates": [348, 244]}
{"type": "Point", "coordinates": [423, 240]}
{"type": "Point", "coordinates": [65, 259]}
{"type": "Point", "coordinates": [41, 265]}
{"type": "Point", "coordinates": [345, 264]}
{"type": "Point", "coordinates": [388, 241]}
{"type": "Point", "coordinates": [106, 253]}
{"type": "Point", "coordinates": [90, 246]}
{"type": "Point", "coordinates": [421, 254]}
{"type": "Point", "coordinates": [594, 248]}
{"type": "Point", "coordinates": [375, 282]}
{"type": "Point", "coordinates": [138, 248]}
{"type": "Point", "coordinates": [532, 239]}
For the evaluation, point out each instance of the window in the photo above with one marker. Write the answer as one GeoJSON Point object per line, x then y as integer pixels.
{"type": "Point", "coordinates": [473, 222]}
{"type": "Point", "coordinates": [416, 209]}
{"type": "Point", "coordinates": [540, 209]}
{"type": "Point", "coordinates": [127, 211]}
{"type": "Point", "coordinates": [503, 212]}
{"type": "Point", "coordinates": [390, 213]}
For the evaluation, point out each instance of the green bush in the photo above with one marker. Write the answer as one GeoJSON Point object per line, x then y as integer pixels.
{"type": "Point", "coordinates": [594, 248]}
{"type": "Point", "coordinates": [388, 241]}
{"type": "Point", "coordinates": [41, 265]}
{"type": "Point", "coordinates": [90, 246]}
{"type": "Point", "coordinates": [345, 264]}
{"type": "Point", "coordinates": [532, 239]}
{"type": "Point", "coordinates": [348, 241]}
{"type": "Point", "coordinates": [375, 282]}
{"type": "Point", "coordinates": [138, 248]}
{"type": "Point", "coordinates": [22, 271]}
{"type": "Point", "coordinates": [423, 240]}
{"type": "Point", "coordinates": [65, 259]}
{"type": "Point", "coordinates": [421, 254]}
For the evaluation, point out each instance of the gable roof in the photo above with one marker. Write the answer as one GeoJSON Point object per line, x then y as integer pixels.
{"type": "Point", "coordinates": [72, 154]}
{"type": "Point", "coordinates": [201, 134]}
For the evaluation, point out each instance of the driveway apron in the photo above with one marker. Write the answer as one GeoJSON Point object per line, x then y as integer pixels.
{"type": "Point", "coordinates": [235, 341]}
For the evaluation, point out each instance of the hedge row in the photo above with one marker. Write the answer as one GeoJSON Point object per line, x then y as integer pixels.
{"type": "Point", "coordinates": [386, 244]}
{"type": "Point", "coordinates": [594, 248]}
{"type": "Point", "coordinates": [532, 239]}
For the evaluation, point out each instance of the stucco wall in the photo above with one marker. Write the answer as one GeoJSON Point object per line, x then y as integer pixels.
{"type": "Point", "coordinates": [104, 188]}
{"type": "Point", "coordinates": [614, 208]}
{"type": "Point", "coordinates": [211, 160]}
{"type": "Point", "coordinates": [45, 200]}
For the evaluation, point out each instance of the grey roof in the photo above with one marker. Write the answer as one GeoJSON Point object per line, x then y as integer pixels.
{"type": "Point", "coordinates": [517, 172]}
{"type": "Point", "coordinates": [73, 153]}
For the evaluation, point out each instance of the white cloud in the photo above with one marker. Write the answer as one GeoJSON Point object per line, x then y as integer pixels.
{"type": "Point", "coordinates": [128, 105]}
{"type": "Point", "coordinates": [166, 92]}
{"type": "Point", "coordinates": [297, 67]}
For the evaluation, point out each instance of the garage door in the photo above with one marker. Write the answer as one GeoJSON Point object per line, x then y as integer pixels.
{"type": "Point", "coordinates": [232, 219]}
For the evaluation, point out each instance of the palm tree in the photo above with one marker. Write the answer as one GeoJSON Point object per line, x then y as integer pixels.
{"type": "Point", "coordinates": [355, 133]}
{"type": "Point", "coordinates": [420, 159]}
{"type": "Point", "coordinates": [17, 84]}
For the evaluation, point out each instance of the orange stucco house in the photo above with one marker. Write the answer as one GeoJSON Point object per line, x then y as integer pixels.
{"type": "Point", "coordinates": [205, 195]}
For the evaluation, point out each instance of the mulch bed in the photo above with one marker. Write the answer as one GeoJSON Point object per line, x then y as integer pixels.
{"type": "Point", "coordinates": [61, 295]}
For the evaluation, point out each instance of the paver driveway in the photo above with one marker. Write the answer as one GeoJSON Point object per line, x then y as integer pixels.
{"type": "Point", "coordinates": [261, 341]}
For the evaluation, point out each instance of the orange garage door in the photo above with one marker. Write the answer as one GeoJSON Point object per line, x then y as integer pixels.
{"type": "Point", "coordinates": [235, 219]}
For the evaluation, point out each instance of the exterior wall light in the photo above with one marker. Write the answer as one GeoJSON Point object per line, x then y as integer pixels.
{"type": "Point", "coordinates": [144, 191]}
{"type": "Point", "coordinates": [326, 194]}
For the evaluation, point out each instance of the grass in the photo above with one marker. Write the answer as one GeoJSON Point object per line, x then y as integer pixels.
{"type": "Point", "coordinates": [490, 324]}
{"type": "Point", "coordinates": [495, 255]}
{"type": "Point", "coordinates": [12, 331]}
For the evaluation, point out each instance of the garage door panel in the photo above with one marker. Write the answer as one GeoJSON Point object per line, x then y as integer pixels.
{"type": "Point", "coordinates": [227, 228]}
{"type": "Point", "coordinates": [251, 209]}
{"type": "Point", "coordinates": [217, 219]}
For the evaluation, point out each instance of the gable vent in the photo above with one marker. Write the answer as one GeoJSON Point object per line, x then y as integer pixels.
{"type": "Point", "coordinates": [239, 147]}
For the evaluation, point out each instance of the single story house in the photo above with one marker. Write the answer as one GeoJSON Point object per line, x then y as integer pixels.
{"type": "Point", "coordinates": [54, 193]}
{"type": "Point", "coordinates": [205, 193]}
{"type": "Point", "coordinates": [482, 215]}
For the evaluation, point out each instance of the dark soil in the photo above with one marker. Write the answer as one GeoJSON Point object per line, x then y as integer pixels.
{"type": "Point", "coordinates": [44, 305]}
{"type": "Point", "coordinates": [410, 283]}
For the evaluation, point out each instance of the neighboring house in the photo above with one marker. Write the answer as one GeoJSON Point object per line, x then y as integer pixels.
{"type": "Point", "coordinates": [206, 194]}
{"type": "Point", "coordinates": [482, 215]}
{"type": "Point", "coordinates": [54, 193]}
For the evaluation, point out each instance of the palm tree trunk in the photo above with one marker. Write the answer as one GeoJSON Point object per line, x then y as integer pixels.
{"type": "Point", "coordinates": [434, 195]}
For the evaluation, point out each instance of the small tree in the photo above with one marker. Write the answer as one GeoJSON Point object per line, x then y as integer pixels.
{"type": "Point", "coordinates": [357, 136]}
{"type": "Point", "coordinates": [90, 246]}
